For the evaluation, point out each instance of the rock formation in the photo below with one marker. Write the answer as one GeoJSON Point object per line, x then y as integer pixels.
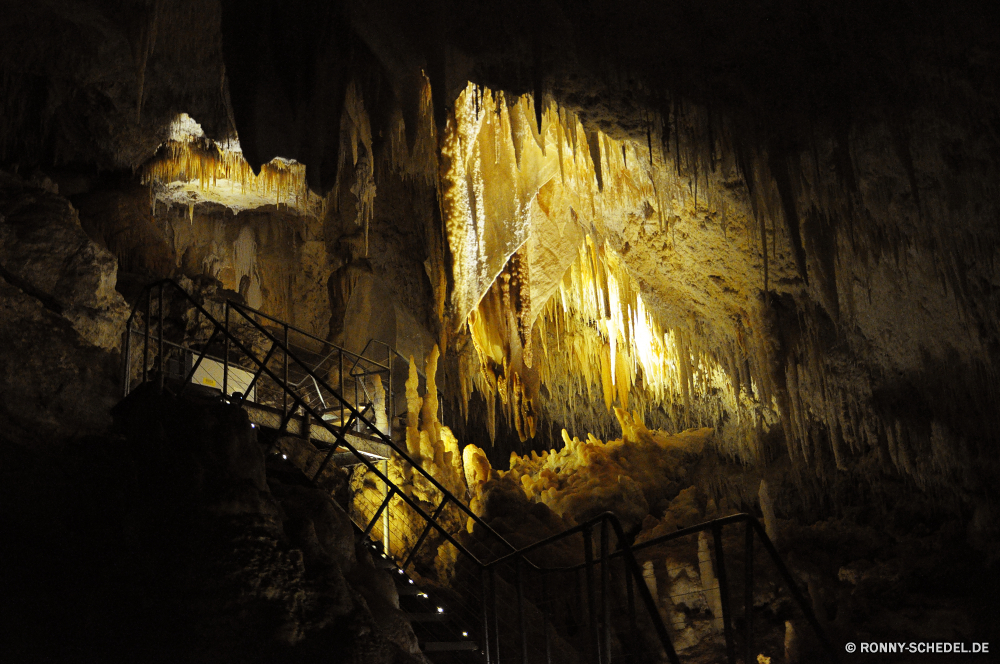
{"type": "Point", "coordinates": [669, 259]}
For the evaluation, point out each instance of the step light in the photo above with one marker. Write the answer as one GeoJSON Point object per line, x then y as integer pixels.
{"type": "Point", "coordinates": [424, 595]}
{"type": "Point", "coordinates": [440, 609]}
{"type": "Point", "coordinates": [411, 580]}
{"type": "Point", "coordinates": [465, 634]}
{"type": "Point", "coordinates": [284, 456]}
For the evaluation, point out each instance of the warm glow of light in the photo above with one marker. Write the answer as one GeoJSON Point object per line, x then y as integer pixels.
{"type": "Point", "coordinates": [192, 168]}
{"type": "Point", "coordinates": [611, 344]}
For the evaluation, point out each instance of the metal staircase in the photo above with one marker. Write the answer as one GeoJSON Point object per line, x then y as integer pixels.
{"type": "Point", "coordinates": [566, 598]}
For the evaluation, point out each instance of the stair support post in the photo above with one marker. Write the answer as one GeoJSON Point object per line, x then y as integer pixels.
{"type": "Point", "coordinates": [225, 360]}
{"type": "Point", "coordinates": [605, 593]}
{"type": "Point", "coordinates": [159, 357]}
{"type": "Point", "coordinates": [145, 337]}
{"type": "Point", "coordinates": [284, 375]}
{"type": "Point", "coordinates": [423, 535]}
{"type": "Point", "coordinates": [496, 611]}
{"type": "Point", "coordinates": [630, 598]}
{"type": "Point", "coordinates": [340, 373]}
{"type": "Point", "coordinates": [385, 515]}
{"type": "Point", "coordinates": [521, 621]}
{"type": "Point", "coordinates": [720, 562]}
{"type": "Point", "coordinates": [485, 603]}
{"type": "Point", "coordinates": [545, 617]}
{"type": "Point", "coordinates": [128, 355]}
{"type": "Point", "coordinates": [588, 554]}
{"type": "Point", "coordinates": [748, 595]}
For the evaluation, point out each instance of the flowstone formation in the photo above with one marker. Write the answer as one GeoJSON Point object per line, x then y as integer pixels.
{"type": "Point", "coordinates": [432, 446]}
{"type": "Point", "coordinates": [634, 476]}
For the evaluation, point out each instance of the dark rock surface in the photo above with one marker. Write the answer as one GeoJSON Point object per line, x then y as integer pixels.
{"type": "Point", "coordinates": [165, 542]}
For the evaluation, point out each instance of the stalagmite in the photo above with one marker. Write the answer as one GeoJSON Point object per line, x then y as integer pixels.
{"type": "Point", "coordinates": [709, 583]}
{"type": "Point", "coordinates": [767, 509]}
{"type": "Point", "coordinates": [649, 576]}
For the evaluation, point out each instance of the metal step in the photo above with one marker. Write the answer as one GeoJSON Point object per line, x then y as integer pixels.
{"type": "Point", "coordinates": [448, 646]}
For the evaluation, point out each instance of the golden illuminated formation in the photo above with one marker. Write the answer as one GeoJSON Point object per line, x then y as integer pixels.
{"type": "Point", "coordinates": [539, 219]}
{"type": "Point", "coordinates": [190, 168]}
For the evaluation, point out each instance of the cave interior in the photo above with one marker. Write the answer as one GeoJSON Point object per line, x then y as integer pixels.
{"type": "Point", "coordinates": [670, 261]}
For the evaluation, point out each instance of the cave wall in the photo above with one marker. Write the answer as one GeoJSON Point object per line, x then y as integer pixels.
{"type": "Point", "coordinates": [806, 194]}
{"type": "Point", "coordinates": [62, 319]}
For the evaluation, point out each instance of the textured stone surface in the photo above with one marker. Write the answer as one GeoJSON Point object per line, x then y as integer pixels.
{"type": "Point", "coordinates": [44, 252]}
{"type": "Point", "coordinates": [62, 319]}
{"type": "Point", "coordinates": [803, 196]}
{"type": "Point", "coordinates": [183, 549]}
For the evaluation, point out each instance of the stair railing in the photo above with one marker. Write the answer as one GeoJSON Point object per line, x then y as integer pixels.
{"type": "Point", "coordinates": [339, 433]}
{"type": "Point", "coordinates": [600, 636]}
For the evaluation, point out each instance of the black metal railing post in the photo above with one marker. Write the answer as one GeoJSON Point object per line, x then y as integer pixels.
{"type": "Point", "coordinates": [390, 405]}
{"type": "Point", "coordinates": [145, 337]}
{"type": "Point", "coordinates": [720, 562]}
{"type": "Point", "coordinates": [496, 611]}
{"type": "Point", "coordinates": [748, 595]}
{"type": "Point", "coordinates": [385, 519]}
{"type": "Point", "coordinates": [159, 357]}
{"type": "Point", "coordinates": [126, 382]}
{"type": "Point", "coordinates": [484, 583]}
{"type": "Point", "coordinates": [605, 593]}
{"type": "Point", "coordinates": [521, 619]}
{"type": "Point", "coordinates": [545, 616]}
{"type": "Point", "coordinates": [630, 599]}
{"type": "Point", "coordinates": [588, 554]}
{"type": "Point", "coordinates": [225, 359]}
{"type": "Point", "coordinates": [284, 377]}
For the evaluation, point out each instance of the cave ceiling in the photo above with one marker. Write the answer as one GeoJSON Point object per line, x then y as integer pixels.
{"type": "Point", "coordinates": [775, 219]}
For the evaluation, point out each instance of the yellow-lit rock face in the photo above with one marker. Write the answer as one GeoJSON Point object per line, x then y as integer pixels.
{"type": "Point", "coordinates": [632, 476]}
{"type": "Point", "coordinates": [549, 301]}
{"type": "Point", "coordinates": [191, 169]}
{"type": "Point", "coordinates": [430, 443]}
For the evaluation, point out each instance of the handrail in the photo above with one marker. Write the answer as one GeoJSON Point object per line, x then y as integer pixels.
{"type": "Point", "coordinates": [519, 556]}
{"type": "Point", "coordinates": [356, 416]}
{"type": "Point", "coordinates": [389, 358]}
{"type": "Point", "coordinates": [630, 550]}
{"type": "Point", "coordinates": [625, 551]}
{"type": "Point", "coordinates": [325, 342]}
